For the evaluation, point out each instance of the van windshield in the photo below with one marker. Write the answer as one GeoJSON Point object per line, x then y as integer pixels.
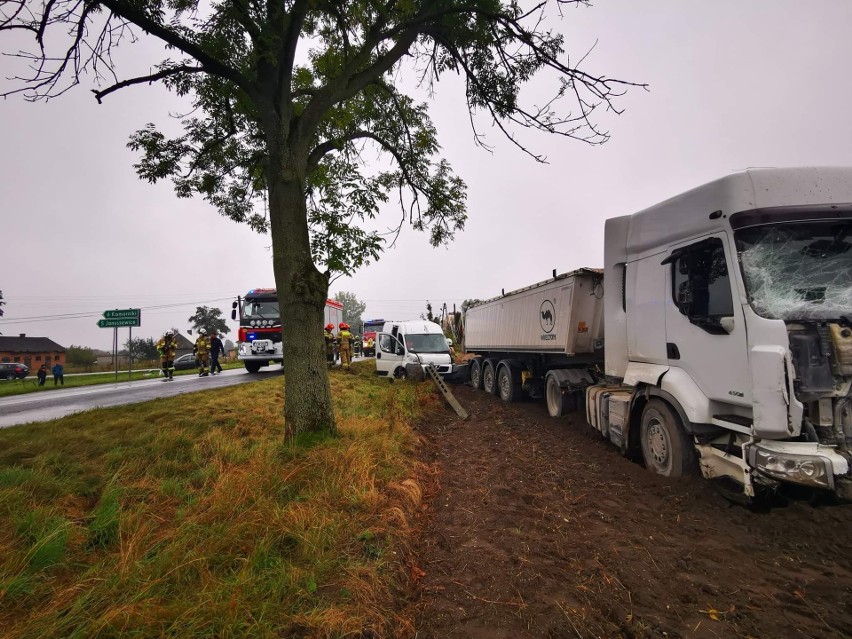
{"type": "Point", "coordinates": [430, 343]}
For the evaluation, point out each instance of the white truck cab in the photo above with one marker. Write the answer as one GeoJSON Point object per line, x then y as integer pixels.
{"type": "Point", "coordinates": [416, 342]}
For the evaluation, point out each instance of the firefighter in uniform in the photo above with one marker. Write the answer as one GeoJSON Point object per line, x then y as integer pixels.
{"type": "Point", "coordinates": [344, 339]}
{"type": "Point", "coordinates": [202, 352]}
{"type": "Point", "coordinates": [167, 347]}
{"type": "Point", "coordinates": [329, 344]}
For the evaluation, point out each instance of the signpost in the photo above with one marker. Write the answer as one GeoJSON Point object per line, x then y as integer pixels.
{"type": "Point", "coordinates": [127, 313]}
{"type": "Point", "coordinates": [115, 323]}
{"type": "Point", "coordinates": [115, 318]}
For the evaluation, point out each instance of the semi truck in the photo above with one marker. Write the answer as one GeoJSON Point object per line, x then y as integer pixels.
{"type": "Point", "coordinates": [719, 332]}
{"type": "Point", "coordinates": [259, 341]}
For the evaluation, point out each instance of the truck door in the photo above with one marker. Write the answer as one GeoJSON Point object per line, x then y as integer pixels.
{"type": "Point", "coordinates": [389, 353]}
{"type": "Point", "coordinates": [705, 327]}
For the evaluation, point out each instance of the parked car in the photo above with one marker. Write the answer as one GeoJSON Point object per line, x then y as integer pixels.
{"type": "Point", "coordinates": [13, 370]}
{"type": "Point", "coordinates": [185, 362]}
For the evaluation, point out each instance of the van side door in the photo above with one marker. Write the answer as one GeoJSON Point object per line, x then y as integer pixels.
{"type": "Point", "coordinates": [389, 354]}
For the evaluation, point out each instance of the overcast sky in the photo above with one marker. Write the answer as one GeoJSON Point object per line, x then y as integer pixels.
{"type": "Point", "coordinates": [733, 84]}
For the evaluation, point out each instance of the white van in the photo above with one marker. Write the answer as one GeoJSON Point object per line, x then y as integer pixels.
{"type": "Point", "coordinates": [411, 342]}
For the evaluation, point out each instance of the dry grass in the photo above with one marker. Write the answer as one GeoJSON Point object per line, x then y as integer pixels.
{"type": "Point", "coordinates": [190, 516]}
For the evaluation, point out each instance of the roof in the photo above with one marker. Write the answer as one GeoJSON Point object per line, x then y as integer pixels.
{"type": "Point", "coordinates": [708, 208]}
{"type": "Point", "coordinates": [17, 344]}
{"type": "Point", "coordinates": [183, 343]}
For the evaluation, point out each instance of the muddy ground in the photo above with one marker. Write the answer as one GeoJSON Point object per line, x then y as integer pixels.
{"type": "Point", "coordinates": [538, 528]}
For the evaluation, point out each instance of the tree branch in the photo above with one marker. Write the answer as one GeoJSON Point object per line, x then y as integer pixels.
{"type": "Point", "coordinates": [154, 77]}
{"type": "Point", "coordinates": [287, 55]}
{"type": "Point", "coordinates": [211, 65]}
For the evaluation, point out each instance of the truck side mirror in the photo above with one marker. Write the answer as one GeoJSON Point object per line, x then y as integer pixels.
{"type": "Point", "coordinates": [234, 313]}
{"type": "Point", "coordinates": [727, 324]}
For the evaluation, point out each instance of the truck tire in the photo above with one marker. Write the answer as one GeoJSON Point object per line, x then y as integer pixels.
{"type": "Point", "coordinates": [666, 448]}
{"type": "Point", "coordinates": [489, 378]}
{"type": "Point", "coordinates": [555, 402]}
{"type": "Point", "coordinates": [507, 385]}
{"type": "Point", "coordinates": [252, 367]}
{"type": "Point", "coordinates": [476, 374]}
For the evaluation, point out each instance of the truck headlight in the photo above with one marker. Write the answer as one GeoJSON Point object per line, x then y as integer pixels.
{"type": "Point", "coordinates": [809, 470]}
{"type": "Point", "coordinates": [412, 359]}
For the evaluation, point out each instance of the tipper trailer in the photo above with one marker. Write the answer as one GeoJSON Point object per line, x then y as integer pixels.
{"type": "Point", "coordinates": [728, 315]}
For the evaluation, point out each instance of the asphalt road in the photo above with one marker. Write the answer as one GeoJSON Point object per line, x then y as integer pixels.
{"type": "Point", "coordinates": [40, 407]}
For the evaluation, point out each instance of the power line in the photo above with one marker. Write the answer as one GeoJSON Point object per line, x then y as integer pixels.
{"type": "Point", "coordinates": [85, 314]}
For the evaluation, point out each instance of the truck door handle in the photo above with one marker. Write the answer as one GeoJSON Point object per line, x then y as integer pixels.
{"type": "Point", "coordinates": [672, 351]}
{"type": "Point", "coordinates": [378, 356]}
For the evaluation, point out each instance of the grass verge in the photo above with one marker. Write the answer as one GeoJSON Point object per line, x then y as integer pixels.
{"type": "Point", "coordinates": [190, 516]}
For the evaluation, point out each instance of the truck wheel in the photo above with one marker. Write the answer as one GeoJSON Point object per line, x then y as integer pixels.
{"type": "Point", "coordinates": [666, 449]}
{"type": "Point", "coordinates": [489, 379]}
{"type": "Point", "coordinates": [476, 374]}
{"type": "Point", "coordinates": [555, 401]}
{"type": "Point", "coordinates": [252, 367]}
{"type": "Point", "coordinates": [509, 389]}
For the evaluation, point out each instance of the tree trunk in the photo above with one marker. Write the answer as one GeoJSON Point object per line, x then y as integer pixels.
{"type": "Point", "coordinates": [302, 292]}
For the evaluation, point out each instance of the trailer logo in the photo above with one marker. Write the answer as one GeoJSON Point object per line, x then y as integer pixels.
{"type": "Point", "coordinates": [547, 313]}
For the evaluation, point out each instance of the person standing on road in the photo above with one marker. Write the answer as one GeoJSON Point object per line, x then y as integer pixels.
{"type": "Point", "coordinates": [42, 374]}
{"type": "Point", "coordinates": [58, 374]}
{"type": "Point", "coordinates": [202, 352]}
{"type": "Point", "coordinates": [167, 348]}
{"type": "Point", "coordinates": [216, 349]}
{"type": "Point", "coordinates": [329, 344]}
{"type": "Point", "coordinates": [344, 339]}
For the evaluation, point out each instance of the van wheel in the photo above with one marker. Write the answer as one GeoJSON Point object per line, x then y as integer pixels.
{"type": "Point", "coordinates": [252, 367]}
{"type": "Point", "coordinates": [555, 401]}
{"type": "Point", "coordinates": [400, 373]}
{"type": "Point", "coordinates": [666, 449]}
{"type": "Point", "coordinates": [489, 379]}
{"type": "Point", "coordinates": [476, 374]}
{"type": "Point", "coordinates": [509, 389]}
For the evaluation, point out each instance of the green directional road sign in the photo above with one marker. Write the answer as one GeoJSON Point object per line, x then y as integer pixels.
{"type": "Point", "coordinates": [116, 323]}
{"type": "Point", "coordinates": [125, 313]}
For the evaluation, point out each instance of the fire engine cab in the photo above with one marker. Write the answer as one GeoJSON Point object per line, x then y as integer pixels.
{"type": "Point", "coordinates": [259, 339]}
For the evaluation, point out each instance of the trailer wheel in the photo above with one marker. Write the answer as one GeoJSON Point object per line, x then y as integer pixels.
{"type": "Point", "coordinates": [476, 374]}
{"type": "Point", "coordinates": [555, 401]}
{"type": "Point", "coordinates": [666, 448]}
{"type": "Point", "coordinates": [489, 379]}
{"type": "Point", "coordinates": [507, 386]}
{"type": "Point", "coordinates": [252, 367]}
